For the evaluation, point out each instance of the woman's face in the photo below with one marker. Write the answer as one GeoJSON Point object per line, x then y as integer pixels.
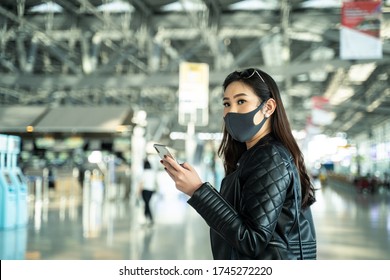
{"type": "Point", "coordinates": [240, 98]}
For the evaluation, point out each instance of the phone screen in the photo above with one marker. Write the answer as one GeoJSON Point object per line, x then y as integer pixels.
{"type": "Point", "coordinates": [162, 151]}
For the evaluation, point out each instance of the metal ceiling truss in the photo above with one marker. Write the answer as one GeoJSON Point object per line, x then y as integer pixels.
{"type": "Point", "coordinates": [86, 56]}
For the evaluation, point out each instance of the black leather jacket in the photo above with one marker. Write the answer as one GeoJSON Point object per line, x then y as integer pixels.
{"type": "Point", "coordinates": [254, 216]}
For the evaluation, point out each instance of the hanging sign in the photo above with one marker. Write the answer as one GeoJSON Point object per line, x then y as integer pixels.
{"type": "Point", "coordinates": [360, 30]}
{"type": "Point", "coordinates": [193, 93]}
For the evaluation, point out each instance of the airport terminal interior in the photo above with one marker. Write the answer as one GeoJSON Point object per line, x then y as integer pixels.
{"type": "Point", "coordinates": [88, 86]}
{"type": "Point", "coordinates": [84, 224]}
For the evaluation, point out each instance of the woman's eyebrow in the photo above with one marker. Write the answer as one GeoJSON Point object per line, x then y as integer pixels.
{"type": "Point", "coordinates": [235, 96]}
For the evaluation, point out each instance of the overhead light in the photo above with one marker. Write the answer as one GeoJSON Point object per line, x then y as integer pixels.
{"type": "Point", "coordinates": [116, 7]}
{"type": "Point", "coordinates": [184, 5]}
{"type": "Point", "coordinates": [321, 4]}
{"type": "Point", "coordinates": [305, 36]}
{"type": "Point", "coordinates": [342, 94]}
{"type": "Point", "coordinates": [375, 104]}
{"type": "Point", "coordinates": [360, 72]}
{"type": "Point", "coordinates": [255, 5]}
{"type": "Point", "coordinates": [48, 7]}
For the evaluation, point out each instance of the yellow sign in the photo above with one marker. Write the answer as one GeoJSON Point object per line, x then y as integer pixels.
{"type": "Point", "coordinates": [193, 93]}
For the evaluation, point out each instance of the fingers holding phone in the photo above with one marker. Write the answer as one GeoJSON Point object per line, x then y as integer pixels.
{"type": "Point", "coordinates": [163, 150]}
{"type": "Point", "coordinates": [165, 154]}
{"type": "Point", "coordinates": [184, 175]}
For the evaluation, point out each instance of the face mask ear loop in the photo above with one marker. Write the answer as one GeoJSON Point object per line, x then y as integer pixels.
{"type": "Point", "coordinates": [262, 121]}
{"type": "Point", "coordinates": [265, 116]}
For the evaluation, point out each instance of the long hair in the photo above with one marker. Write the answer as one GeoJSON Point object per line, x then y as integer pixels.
{"type": "Point", "coordinates": [231, 150]}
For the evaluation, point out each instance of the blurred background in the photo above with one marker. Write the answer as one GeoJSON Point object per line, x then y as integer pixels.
{"type": "Point", "coordinates": [88, 86]}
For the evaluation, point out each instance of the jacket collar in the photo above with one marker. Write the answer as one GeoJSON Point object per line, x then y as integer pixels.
{"type": "Point", "coordinates": [265, 139]}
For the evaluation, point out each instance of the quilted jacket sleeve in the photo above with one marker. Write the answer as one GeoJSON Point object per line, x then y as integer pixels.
{"type": "Point", "coordinates": [249, 228]}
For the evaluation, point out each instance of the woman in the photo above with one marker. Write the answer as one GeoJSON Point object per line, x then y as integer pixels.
{"type": "Point", "coordinates": [263, 208]}
{"type": "Point", "coordinates": [147, 187]}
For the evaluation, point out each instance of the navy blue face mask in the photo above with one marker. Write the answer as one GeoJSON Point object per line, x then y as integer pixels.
{"type": "Point", "coordinates": [241, 126]}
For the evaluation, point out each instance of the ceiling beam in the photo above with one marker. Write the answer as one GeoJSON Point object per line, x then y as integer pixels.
{"type": "Point", "coordinates": [157, 79]}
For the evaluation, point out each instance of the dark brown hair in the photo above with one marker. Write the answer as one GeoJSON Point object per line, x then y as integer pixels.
{"type": "Point", "coordinates": [231, 150]}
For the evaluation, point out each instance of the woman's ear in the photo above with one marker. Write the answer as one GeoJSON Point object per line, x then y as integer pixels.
{"type": "Point", "coordinates": [269, 107]}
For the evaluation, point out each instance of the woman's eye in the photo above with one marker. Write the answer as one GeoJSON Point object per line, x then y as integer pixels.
{"type": "Point", "coordinates": [225, 104]}
{"type": "Point", "coordinates": [240, 102]}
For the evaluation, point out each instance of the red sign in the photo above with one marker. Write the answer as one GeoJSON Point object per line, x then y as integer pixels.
{"type": "Point", "coordinates": [363, 16]}
{"type": "Point", "coordinates": [360, 30]}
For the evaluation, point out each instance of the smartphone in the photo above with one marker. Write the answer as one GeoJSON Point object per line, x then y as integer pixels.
{"type": "Point", "coordinates": [162, 151]}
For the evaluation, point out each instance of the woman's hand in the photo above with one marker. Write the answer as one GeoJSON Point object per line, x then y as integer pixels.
{"type": "Point", "coordinates": [184, 175]}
